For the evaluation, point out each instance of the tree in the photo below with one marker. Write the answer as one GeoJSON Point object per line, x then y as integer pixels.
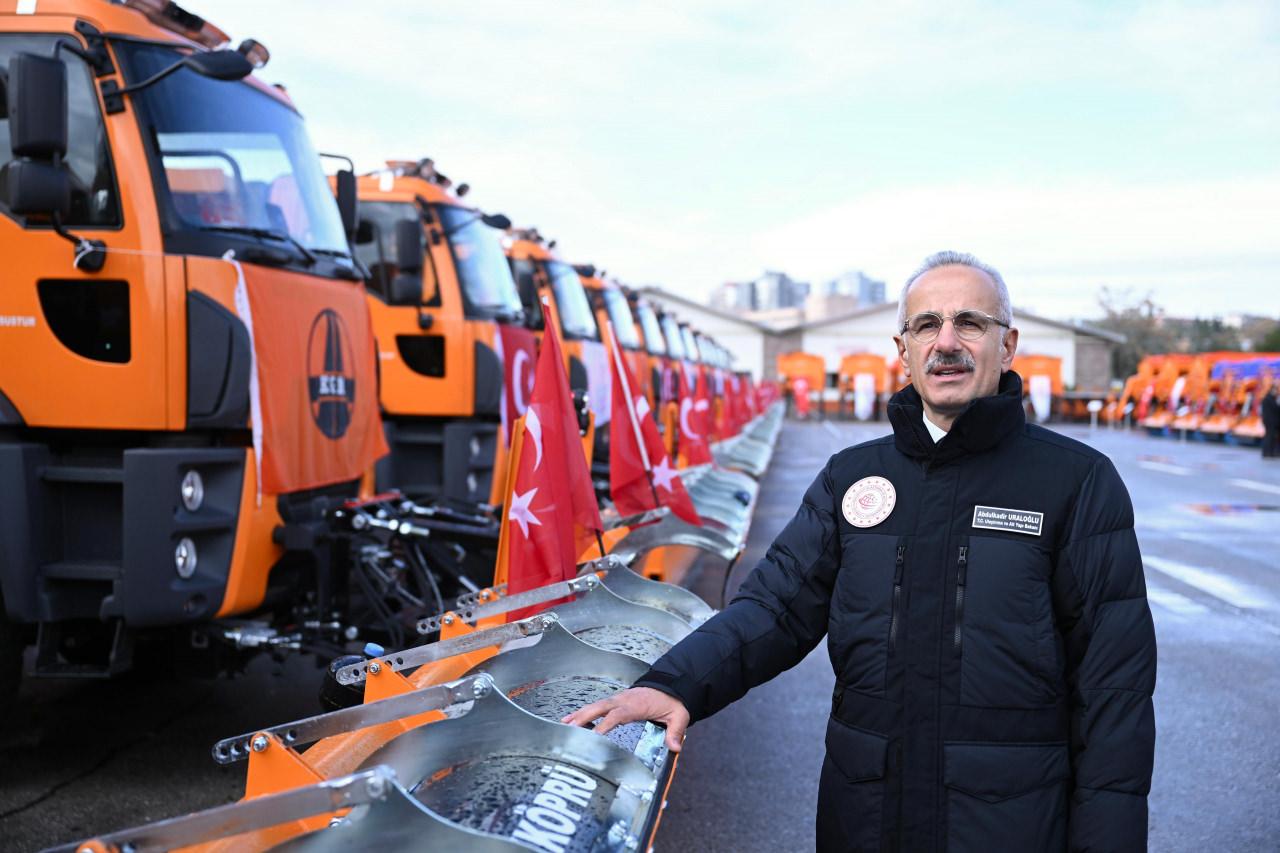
{"type": "Point", "coordinates": [1143, 324]}
{"type": "Point", "coordinates": [1213, 335]}
{"type": "Point", "coordinates": [1271, 341]}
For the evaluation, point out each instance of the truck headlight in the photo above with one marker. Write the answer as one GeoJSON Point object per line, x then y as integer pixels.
{"type": "Point", "coordinates": [184, 558]}
{"type": "Point", "coordinates": [192, 490]}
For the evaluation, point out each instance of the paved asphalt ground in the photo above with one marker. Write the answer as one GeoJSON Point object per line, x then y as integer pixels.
{"type": "Point", "coordinates": [91, 757]}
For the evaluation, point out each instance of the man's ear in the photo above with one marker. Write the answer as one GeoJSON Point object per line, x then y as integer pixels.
{"type": "Point", "coordinates": [902, 353]}
{"type": "Point", "coordinates": [1009, 347]}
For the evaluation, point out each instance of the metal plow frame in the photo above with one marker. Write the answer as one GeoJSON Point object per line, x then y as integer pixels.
{"type": "Point", "coordinates": [557, 653]}
{"type": "Point", "coordinates": [596, 606]}
{"type": "Point", "coordinates": [676, 600]}
{"type": "Point", "coordinates": [373, 796]}
{"type": "Point", "coordinates": [494, 726]}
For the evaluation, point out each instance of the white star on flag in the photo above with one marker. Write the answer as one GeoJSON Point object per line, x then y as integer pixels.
{"type": "Point", "coordinates": [664, 474]}
{"type": "Point", "coordinates": [520, 512]}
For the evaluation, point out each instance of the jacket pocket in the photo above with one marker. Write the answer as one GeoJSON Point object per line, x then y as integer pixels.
{"type": "Point", "coordinates": [895, 602]}
{"type": "Point", "coordinates": [1006, 796]}
{"type": "Point", "coordinates": [1002, 621]}
{"type": "Point", "coordinates": [868, 609]}
{"type": "Point", "coordinates": [851, 792]}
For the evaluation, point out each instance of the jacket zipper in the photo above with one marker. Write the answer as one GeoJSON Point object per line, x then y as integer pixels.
{"type": "Point", "coordinates": [897, 598]}
{"type": "Point", "coordinates": [962, 567]}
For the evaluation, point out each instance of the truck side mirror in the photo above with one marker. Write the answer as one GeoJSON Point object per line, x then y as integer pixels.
{"type": "Point", "coordinates": [405, 289]}
{"type": "Point", "coordinates": [219, 64]}
{"type": "Point", "coordinates": [32, 188]}
{"type": "Point", "coordinates": [348, 201]}
{"type": "Point", "coordinates": [35, 97]}
{"type": "Point", "coordinates": [36, 94]}
{"type": "Point", "coordinates": [410, 254]}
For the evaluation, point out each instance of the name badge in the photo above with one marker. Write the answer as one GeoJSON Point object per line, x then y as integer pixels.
{"type": "Point", "coordinates": [1008, 520]}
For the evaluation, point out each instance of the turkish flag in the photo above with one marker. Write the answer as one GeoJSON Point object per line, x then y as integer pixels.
{"type": "Point", "coordinates": [800, 393]}
{"type": "Point", "coordinates": [737, 415]}
{"type": "Point", "coordinates": [695, 420]}
{"type": "Point", "coordinates": [766, 394]}
{"type": "Point", "coordinates": [637, 476]}
{"type": "Point", "coordinates": [314, 406]}
{"type": "Point", "coordinates": [551, 514]}
{"type": "Point", "coordinates": [518, 349]}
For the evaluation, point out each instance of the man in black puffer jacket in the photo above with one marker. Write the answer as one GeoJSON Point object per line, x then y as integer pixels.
{"type": "Point", "coordinates": [981, 590]}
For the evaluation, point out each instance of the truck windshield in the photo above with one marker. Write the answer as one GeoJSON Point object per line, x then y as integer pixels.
{"type": "Point", "coordinates": [478, 257]}
{"type": "Point", "coordinates": [671, 330]}
{"type": "Point", "coordinates": [576, 319]}
{"type": "Point", "coordinates": [624, 326]}
{"type": "Point", "coordinates": [230, 161]}
{"type": "Point", "coordinates": [653, 341]}
{"type": "Point", "coordinates": [690, 345]}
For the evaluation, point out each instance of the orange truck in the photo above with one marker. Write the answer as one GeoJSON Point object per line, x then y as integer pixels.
{"type": "Point", "coordinates": [540, 272]}
{"type": "Point", "coordinates": [803, 375]}
{"type": "Point", "coordinates": [155, 189]}
{"type": "Point", "coordinates": [612, 306]}
{"type": "Point", "coordinates": [448, 322]}
{"type": "Point", "coordinates": [861, 379]}
{"type": "Point", "coordinates": [654, 346]}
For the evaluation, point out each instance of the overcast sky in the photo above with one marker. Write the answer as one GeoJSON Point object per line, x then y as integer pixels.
{"type": "Point", "coordinates": [685, 144]}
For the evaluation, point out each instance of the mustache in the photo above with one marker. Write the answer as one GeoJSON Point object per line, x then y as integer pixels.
{"type": "Point", "coordinates": [950, 360]}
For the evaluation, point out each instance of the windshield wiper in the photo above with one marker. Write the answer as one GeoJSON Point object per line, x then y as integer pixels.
{"type": "Point", "coordinates": [250, 231]}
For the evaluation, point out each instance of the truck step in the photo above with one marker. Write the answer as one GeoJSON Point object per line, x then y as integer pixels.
{"type": "Point", "coordinates": [405, 436]}
{"type": "Point", "coordinates": [81, 474]}
{"type": "Point", "coordinates": [50, 664]}
{"type": "Point", "coordinates": [81, 570]}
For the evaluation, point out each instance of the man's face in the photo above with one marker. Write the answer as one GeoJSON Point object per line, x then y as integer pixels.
{"type": "Point", "coordinates": [949, 371]}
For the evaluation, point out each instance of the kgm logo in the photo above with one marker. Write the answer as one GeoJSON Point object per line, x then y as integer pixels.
{"type": "Point", "coordinates": [331, 381]}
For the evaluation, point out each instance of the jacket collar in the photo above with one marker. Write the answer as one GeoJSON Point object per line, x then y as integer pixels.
{"type": "Point", "coordinates": [983, 424]}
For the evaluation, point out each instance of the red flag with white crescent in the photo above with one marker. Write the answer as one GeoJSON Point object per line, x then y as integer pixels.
{"type": "Point", "coordinates": [552, 513]}
{"type": "Point", "coordinates": [519, 350]}
{"type": "Point", "coordinates": [639, 468]}
{"type": "Point", "coordinates": [695, 420]}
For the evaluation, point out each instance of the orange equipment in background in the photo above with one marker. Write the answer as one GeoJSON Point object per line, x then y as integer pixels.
{"type": "Point", "coordinates": [1116, 408]}
{"type": "Point", "coordinates": [863, 381]}
{"type": "Point", "coordinates": [802, 365]}
{"type": "Point", "coordinates": [1041, 382]}
{"type": "Point", "coordinates": [1165, 386]}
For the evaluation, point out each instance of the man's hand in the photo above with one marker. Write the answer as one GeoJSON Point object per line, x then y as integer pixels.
{"type": "Point", "coordinates": [636, 703]}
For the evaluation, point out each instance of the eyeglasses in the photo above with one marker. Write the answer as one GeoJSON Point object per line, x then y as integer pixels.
{"type": "Point", "coordinates": [969, 324]}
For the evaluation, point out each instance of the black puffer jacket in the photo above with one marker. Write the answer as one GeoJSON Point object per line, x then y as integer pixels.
{"type": "Point", "coordinates": [993, 648]}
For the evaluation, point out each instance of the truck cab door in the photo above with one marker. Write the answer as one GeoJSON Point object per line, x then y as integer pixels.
{"type": "Point", "coordinates": [81, 348]}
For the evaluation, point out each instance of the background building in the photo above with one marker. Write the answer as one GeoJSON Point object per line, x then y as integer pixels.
{"type": "Point", "coordinates": [1085, 350]}
{"type": "Point", "coordinates": [772, 291]}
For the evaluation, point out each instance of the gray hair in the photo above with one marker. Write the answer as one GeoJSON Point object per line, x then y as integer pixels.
{"type": "Point", "coordinates": [946, 258]}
